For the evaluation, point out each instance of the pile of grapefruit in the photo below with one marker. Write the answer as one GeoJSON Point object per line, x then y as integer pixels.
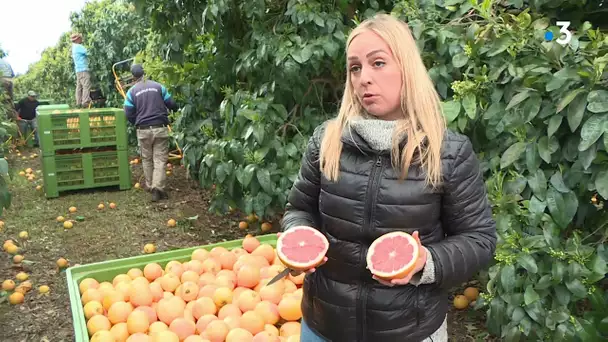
{"type": "Point", "coordinates": [218, 295]}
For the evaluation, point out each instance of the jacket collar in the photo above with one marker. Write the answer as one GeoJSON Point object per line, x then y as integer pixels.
{"type": "Point", "coordinates": [354, 140]}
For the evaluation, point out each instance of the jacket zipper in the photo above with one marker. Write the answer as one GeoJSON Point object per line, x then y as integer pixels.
{"type": "Point", "coordinates": [363, 290]}
{"type": "Point", "coordinates": [417, 307]}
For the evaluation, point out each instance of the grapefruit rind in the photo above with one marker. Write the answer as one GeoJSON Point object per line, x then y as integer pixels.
{"type": "Point", "coordinates": [402, 271]}
{"type": "Point", "coordinates": [297, 265]}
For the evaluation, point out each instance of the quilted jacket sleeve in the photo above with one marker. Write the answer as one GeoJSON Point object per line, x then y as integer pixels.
{"type": "Point", "coordinates": [303, 202]}
{"type": "Point", "coordinates": [467, 221]}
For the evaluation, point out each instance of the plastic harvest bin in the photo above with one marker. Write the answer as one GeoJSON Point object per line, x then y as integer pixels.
{"type": "Point", "coordinates": [42, 108]}
{"type": "Point", "coordinates": [67, 129]}
{"type": "Point", "coordinates": [107, 270]}
{"type": "Point", "coordinates": [85, 170]}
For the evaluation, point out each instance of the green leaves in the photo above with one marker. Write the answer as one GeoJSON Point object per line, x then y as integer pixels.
{"type": "Point", "coordinates": [562, 206]}
{"type": "Point", "coordinates": [576, 111]}
{"type": "Point", "coordinates": [263, 177]}
{"type": "Point", "coordinates": [527, 262]}
{"type": "Point", "coordinates": [598, 101]}
{"type": "Point", "coordinates": [451, 109]}
{"type": "Point", "coordinates": [530, 296]}
{"type": "Point", "coordinates": [592, 130]}
{"type": "Point", "coordinates": [3, 167]}
{"type": "Point", "coordinates": [568, 98]}
{"type": "Point", "coordinates": [460, 60]}
{"type": "Point", "coordinates": [507, 278]}
{"type": "Point", "coordinates": [601, 183]}
{"type": "Point", "coordinates": [469, 102]}
{"type": "Point", "coordinates": [517, 99]}
{"type": "Point", "coordinates": [512, 154]}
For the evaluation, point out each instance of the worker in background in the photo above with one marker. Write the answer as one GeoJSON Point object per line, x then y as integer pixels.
{"type": "Point", "coordinates": [26, 115]}
{"type": "Point", "coordinates": [6, 82]}
{"type": "Point", "coordinates": [83, 75]}
{"type": "Point", "coordinates": [146, 105]}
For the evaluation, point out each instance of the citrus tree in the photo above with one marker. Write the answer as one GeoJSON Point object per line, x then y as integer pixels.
{"type": "Point", "coordinates": [536, 112]}
{"type": "Point", "coordinates": [111, 31]}
{"type": "Point", "coordinates": [256, 77]}
{"type": "Point", "coordinates": [7, 131]}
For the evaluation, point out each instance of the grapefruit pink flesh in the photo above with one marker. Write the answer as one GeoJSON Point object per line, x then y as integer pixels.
{"type": "Point", "coordinates": [392, 256]}
{"type": "Point", "coordinates": [302, 248]}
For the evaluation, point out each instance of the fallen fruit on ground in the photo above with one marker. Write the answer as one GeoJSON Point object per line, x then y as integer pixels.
{"type": "Point", "coordinates": [266, 227]}
{"type": "Point", "coordinates": [68, 225]}
{"type": "Point", "coordinates": [149, 248]}
{"type": "Point", "coordinates": [60, 218]}
{"type": "Point", "coordinates": [11, 248]}
{"type": "Point", "coordinates": [112, 205]}
{"type": "Point", "coordinates": [171, 223]}
{"type": "Point", "coordinates": [136, 186]}
{"type": "Point", "coordinates": [43, 289]}
{"type": "Point", "coordinates": [72, 210]}
{"type": "Point", "coordinates": [251, 218]}
{"type": "Point", "coordinates": [101, 206]}
{"type": "Point", "coordinates": [17, 259]}
{"type": "Point", "coordinates": [461, 302]}
{"type": "Point", "coordinates": [392, 255]}
{"type": "Point", "coordinates": [62, 263]}
{"type": "Point", "coordinates": [22, 276]}
{"type": "Point", "coordinates": [471, 293]}
{"type": "Point", "coordinates": [16, 298]}
{"type": "Point", "coordinates": [243, 225]}
{"type": "Point", "coordinates": [8, 285]}
{"type": "Point", "coordinates": [38, 187]}
{"type": "Point", "coordinates": [24, 235]}
{"type": "Point", "coordinates": [24, 287]}
{"type": "Point", "coordinates": [215, 295]}
{"type": "Point", "coordinates": [302, 248]}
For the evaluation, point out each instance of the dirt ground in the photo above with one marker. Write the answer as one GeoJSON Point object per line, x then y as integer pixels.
{"type": "Point", "coordinates": [110, 234]}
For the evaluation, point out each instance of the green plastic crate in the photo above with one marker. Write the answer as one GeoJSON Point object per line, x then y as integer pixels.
{"type": "Point", "coordinates": [107, 270]}
{"type": "Point", "coordinates": [85, 170]}
{"type": "Point", "coordinates": [66, 129]}
{"type": "Point", "coordinates": [42, 108]}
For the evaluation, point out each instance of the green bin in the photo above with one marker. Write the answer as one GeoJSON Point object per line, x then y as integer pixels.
{"type": "Point", "coordinates": [107, 270]}
{"type": "Point", "coordinates": [77, 171]}
{"type": "Point", "coordinates": [68, 129]}
{"type": "Point", "coordinates": [42, 108]}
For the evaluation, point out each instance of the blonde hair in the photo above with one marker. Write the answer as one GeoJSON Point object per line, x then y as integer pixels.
{"type": "Point", "coordinates": [423, 123]}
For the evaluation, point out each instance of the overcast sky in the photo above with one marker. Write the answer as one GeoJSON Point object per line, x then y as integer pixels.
{"type": "Point", "coordinates": [29, 26]}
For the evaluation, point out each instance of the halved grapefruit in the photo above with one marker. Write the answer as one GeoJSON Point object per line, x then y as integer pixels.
{"type": "Point", "coordinates": [302, 248]}
{"type": "Point", "coordinates": [393, 255]}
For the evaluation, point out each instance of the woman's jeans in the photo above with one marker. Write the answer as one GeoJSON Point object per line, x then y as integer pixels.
{"type": "Point", "coordinates": [307, 335]}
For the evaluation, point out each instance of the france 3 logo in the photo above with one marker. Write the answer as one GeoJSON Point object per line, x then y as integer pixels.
{"type": "Point", "coordinates": [565, 35]}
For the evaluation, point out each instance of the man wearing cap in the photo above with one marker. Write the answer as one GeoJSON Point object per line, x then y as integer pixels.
{"type": "Point", "coordinates": [26, 111]}
{"type": "Point", "coordinates": [83, 75]}
{"type": "Point", "coordinates": [146, 106]}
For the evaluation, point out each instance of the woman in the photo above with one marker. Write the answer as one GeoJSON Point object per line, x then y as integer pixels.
{"type": "Point", "coordinates": [388, 163]}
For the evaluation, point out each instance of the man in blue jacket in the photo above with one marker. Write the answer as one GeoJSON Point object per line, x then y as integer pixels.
{"type": "Point", "coordinates": [146, 107]}
{"type": "Point", "coordinates": [80, 56]}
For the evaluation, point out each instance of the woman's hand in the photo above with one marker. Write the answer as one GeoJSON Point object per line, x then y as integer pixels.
{"type": "Point", "coordinates": [296, 273]}
{"type": "Point", "coordinates": [420, 263]}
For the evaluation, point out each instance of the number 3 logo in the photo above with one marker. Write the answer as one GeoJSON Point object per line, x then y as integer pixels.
{"type": "Point", "coordinates": [566, 35]}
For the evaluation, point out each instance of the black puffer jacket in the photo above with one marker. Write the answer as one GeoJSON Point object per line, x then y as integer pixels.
{"type": "Point", "coordinates": [342, 302]}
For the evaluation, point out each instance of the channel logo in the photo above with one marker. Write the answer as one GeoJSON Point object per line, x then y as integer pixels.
{"type": "Point", "coordinates": [565, 34]}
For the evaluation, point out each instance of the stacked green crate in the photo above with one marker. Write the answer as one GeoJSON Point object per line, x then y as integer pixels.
{"type": "Point", "coordinates": [83, 148]}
